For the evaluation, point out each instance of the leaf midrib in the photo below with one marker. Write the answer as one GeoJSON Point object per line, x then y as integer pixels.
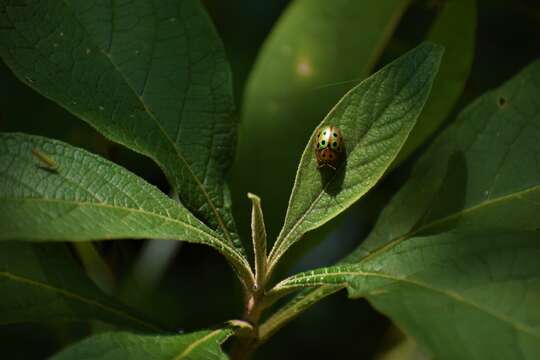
{"type": "Point", "coordinates": [161, 129]}
{"type": "Point", "coordinates": [73, 296]}
{"type": "Point", "coordinates": [116, 208]}
{"type": "Point", "coordinates": [451, 294]}
{"type": "Point", "coordinates": [196, 343]}
{"type": "Point", "coordinates": [227, 250]}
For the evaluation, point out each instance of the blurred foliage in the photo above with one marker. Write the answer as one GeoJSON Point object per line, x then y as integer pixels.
{"type": "Point", "coordinates": [508, 38]}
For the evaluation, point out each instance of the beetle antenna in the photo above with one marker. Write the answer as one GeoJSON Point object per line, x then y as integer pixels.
{"type": "Point", "coordinates": [337, 83]}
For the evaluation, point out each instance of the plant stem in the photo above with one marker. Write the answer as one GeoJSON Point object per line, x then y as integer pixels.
{"type": "Point", "coordinates": [255, 295]}
{"type": "Point", "coordinates": [257, 298]}
{"type": "Point", "coordinates": [247, 342]}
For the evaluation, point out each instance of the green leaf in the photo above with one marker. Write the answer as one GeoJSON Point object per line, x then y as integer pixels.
{"type": "Point", "coordinates": [258, 236]}
{"type": "Point", "coordinates": [86, 197]}
{"type": "Point", "coordinates": [481, 173]}
{"type": "Point", "coordinates": [454, 257]}
{"type": "Point", "coordinates": [42, 282]}
{"type": "Point", "coordinates": [456, 292]}
{"type": "Point", "coordinates": [455, 30]}
{"type": "Point", "coordinates": [204, 345]}
{"type": "Point", "coordinates": [375, 118]}
{"type": "Point", "coordinates": [151, 75]}
{"type": "Point", "coordinates": [316, 52]}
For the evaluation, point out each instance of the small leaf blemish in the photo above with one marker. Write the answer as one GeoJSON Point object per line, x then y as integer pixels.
{"type": "Point", "coordinates": [45, 159]}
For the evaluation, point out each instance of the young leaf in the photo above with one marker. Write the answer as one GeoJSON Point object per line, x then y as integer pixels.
{"type": "Point", "coordinates": [200, 345]}
{"type": "Point", "coordinates": [258, 235]}
{"type": "Point", "coordinates": [42, 282]}
{"type": "Point", "coordinates": [454, 28]}
{"type": "Point", "coordinates": [151, 75]}
{"type": "Point", "coordinates": [375, 118]}
{"type": "Point", "coordinates": [89, 198]}
{"type": "Point", "coordinates": [316, 52]}
{"type": "Point", "coordinates": [454, 257]}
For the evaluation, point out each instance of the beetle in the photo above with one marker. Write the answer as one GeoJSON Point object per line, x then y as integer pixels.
{"type": "Point", "coordinates": [329, 146]}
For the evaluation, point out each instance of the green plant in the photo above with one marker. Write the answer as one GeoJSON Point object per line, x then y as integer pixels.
{"type": "Point", "coordinates": [452, 259]}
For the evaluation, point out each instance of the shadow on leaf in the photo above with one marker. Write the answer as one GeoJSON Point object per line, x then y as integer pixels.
{"type": "Point", "coordinates": [332, 180]}
{"type": "Point", "coordinates": [448, 202]}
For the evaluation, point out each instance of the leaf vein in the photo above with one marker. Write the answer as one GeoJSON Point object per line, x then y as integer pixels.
{"type": "Point", "coordinates": [73, 296]}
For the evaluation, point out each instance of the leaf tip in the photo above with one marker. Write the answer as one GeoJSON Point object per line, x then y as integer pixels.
{"type": "Point", "coordinates": [433, 50]}
{"type": "Point", "coordinates": [253, 197]}
{"type": "Point", "coordinates": [239, 325]}
{"type": "Point", "coordinates": [432, 46]}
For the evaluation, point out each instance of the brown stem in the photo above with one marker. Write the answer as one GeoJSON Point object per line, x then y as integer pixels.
{"type": "Point", "coordinates": [247, 342]}
{"type": "Point", "coordinates": [243, 349]}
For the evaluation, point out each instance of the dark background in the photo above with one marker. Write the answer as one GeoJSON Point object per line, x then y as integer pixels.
{"type": "Point", "coordinates": [199, 290]}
